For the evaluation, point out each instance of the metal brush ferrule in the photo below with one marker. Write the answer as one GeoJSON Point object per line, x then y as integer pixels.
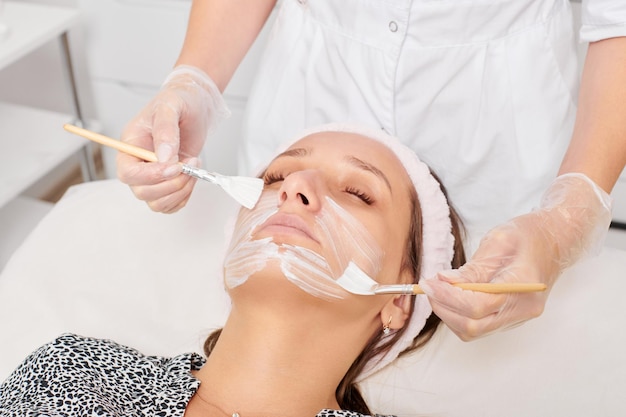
{"type": "Point", "coordinates": [199, 173]}
{"type": "Point", "coordinates": [394, 289]}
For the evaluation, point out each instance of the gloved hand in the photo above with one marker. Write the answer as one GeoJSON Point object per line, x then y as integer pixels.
{"type": "Point", "coordinates": [174, 125]}
{"type": "Point", "coordinates": [572, 221]}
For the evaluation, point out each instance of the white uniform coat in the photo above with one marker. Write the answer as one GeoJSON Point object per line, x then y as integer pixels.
{"type": "Point", "coordinates": [483, 90]}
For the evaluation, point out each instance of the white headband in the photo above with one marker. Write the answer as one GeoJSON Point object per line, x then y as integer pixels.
{"type": "Point", "coordinates": [437, 238]}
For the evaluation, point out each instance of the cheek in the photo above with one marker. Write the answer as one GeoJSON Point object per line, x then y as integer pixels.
{"type": "Point", "coordinates": [249, 220]}
{"type": "Point", "coordinates": [244, 255]}
{"type": "Point", "coordinates": [393, 236]}
{"type": "Point", "coordinates": [348, 239]}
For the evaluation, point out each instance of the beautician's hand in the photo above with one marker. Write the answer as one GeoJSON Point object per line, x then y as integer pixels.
{"type": "Point", "coordinates": [572, 221]}
{"type": "Point", "coordinates": [174, 125]}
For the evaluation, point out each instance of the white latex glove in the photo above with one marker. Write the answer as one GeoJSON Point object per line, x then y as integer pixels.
{"type": "Point", "coordinates": [572, 221]}
{"type": "Point", "coordinates": [174, 125]}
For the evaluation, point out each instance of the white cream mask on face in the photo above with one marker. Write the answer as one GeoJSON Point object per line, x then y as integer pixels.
{"type": "Point", "coordinates": [342, 238]}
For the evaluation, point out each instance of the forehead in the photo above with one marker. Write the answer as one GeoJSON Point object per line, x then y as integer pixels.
{"type": "Point", "coordinates": [341, 141]}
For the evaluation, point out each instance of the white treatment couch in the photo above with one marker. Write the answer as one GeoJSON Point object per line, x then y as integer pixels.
{"type": "Point", "coordinates": [102, 264]}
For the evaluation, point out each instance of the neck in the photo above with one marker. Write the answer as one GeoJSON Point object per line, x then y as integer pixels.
{"type": "Point", "coordinates": [266, 364]}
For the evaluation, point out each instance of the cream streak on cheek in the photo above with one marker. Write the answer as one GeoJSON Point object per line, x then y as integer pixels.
{"type": "Point", "coordinates": [343, 239]}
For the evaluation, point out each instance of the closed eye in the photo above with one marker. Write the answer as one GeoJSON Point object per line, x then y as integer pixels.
{"type": "Point", "coordinates": [367, 199]}
{"type": "Point", "coordinates": [272, 177]}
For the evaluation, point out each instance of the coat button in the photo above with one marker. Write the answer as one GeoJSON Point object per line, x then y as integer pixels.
{"type": "Point", "coordinates": [393, 26]}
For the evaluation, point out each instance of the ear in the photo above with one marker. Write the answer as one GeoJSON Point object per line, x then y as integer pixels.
{"type": "Point", "coordinates": [397, 310]}
{"type": "Point", "coordinates": [399, 307]}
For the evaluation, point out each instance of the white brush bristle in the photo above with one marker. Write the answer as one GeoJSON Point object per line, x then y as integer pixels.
{"type": "Point", "coordinates": [356, 281]}
{"type": "Point", "coordinates": [245, 190]}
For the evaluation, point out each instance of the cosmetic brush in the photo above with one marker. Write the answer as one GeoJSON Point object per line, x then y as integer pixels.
{"type": "Point", "coordinates": [356, 281]}
{"type": "Point", "coordinates": [245, 190]}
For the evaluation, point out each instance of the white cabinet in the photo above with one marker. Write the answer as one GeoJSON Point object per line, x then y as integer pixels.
{"type": "Point", "coordinates": [33, 140]}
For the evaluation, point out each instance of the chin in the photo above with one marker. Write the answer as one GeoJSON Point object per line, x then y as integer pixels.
{"type": "Point", "coordinates": [274, 286]}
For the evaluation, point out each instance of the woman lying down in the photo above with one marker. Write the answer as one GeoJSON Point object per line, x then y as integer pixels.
{"type": "Point", "coordinates": [295, 343]}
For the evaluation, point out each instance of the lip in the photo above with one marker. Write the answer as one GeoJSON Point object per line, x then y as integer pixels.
{"type": "Point", "coordinates": [285, 223]}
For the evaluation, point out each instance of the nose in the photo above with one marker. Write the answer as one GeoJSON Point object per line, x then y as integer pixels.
{"type": "Point", "coordinates": [301, 188]}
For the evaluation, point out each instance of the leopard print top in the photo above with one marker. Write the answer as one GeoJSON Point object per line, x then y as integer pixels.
{"type": "Point", "coordinates": [78, 376]}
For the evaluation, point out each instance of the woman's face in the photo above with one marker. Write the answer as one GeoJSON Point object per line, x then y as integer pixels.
{"type": "Point", "coordinates": [331, 198]}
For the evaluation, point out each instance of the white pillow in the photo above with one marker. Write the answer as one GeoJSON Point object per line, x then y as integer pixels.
{"type": "Point", "coordinates": [568, 362]}
{"type": "Point", "coordinates": [102, 264]}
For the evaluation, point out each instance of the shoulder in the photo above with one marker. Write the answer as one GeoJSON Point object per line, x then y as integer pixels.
{"type": "Point", "coordinates": [73, 354]}
{"type": "Point", "coordinates": [73, 366]}
{"type": "Point", "coordinates": [69, 347]}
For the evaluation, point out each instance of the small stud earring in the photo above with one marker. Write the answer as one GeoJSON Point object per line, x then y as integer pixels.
{"type": "Point", "coordinates": [386, 328]}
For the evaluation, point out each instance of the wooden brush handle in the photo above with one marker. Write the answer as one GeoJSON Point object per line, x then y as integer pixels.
{"type": "Point", "coordinates": [493, 287]}
{"type": "Point", "coordinates": [112, 143]}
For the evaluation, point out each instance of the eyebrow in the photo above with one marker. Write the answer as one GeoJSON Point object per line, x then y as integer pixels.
{"type": "Point", "coordinates": [366, 166]}
{"type": "Point", "coordinates": [352, 160]}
